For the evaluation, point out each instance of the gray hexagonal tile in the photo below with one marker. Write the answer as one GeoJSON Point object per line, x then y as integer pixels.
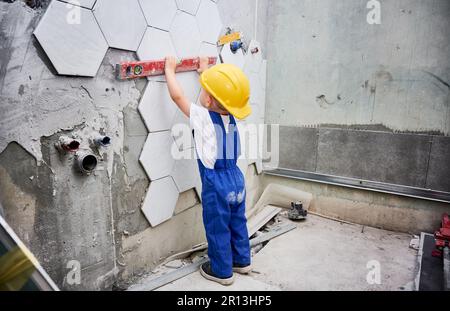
{"type": "Point", "coordinates": [88, 4]}
{"type": "Point", "coordinates": [84, 44]}
{"type": "Point", "coordinates": [253, 61]}
{"type": "Point", "coordinates": [156, 44]}
{"type": "Point", "coordinates": [160, 201]}
{"type": "Point", "coordinates": [186, 175]}
{"type": "Point", "coordinates": [209, 21]}
{"type": "Point", "coordinates": [159, 13]}
{"type": "Point", "coordinates": [189, 6]}
{"type": "Point", "coordinates": [122, 22]}
{"type": "Point", "coordinates": [185, 35]}
{"type": "Point", "coordinates": [228, 57]}
{"type": "Point", "coordinates": [156, 156]}
{"type": "Point", "coordinates": [157, 108]}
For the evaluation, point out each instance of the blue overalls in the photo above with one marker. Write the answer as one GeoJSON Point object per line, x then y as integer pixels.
{"type": "Point", "coordinates": [223, 199]}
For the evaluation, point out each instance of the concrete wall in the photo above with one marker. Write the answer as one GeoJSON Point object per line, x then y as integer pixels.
{"type": "Point", "coordinates": [368, 208]}
{"type": "Point", "coordinates": [60, 214]}
{"type": "Point", "coordinates": [360, 100]}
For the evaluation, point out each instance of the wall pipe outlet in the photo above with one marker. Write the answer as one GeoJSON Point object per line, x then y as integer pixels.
{"type": "Point", "coordinates": [102, 141]}
{"type": "Point", "coordinates": [67, 144]}
{"type": "Point", "coordinates": [86, 161]}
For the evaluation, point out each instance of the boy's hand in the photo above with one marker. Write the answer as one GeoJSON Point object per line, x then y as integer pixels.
{"type": "Point", "coordinates": [171, 64]}
{"type": "Point", "coordinates": [203, 65]}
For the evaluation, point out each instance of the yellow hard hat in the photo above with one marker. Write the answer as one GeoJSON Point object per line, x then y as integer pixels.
{"type": "Point", "coordinates": [230, 87]}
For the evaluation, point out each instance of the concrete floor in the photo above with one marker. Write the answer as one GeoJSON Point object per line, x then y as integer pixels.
{"type": "Point", "coordinates": [323, 254]}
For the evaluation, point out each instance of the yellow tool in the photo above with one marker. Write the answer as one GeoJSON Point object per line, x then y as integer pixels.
{"type": "Point", "coordinates": [229, 37]}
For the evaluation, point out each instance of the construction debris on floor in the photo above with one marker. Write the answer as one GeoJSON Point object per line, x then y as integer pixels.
{"type": "Point", "coordinates": [319, 254]}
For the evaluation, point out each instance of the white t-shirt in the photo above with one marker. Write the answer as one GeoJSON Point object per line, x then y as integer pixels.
{"type": "Point", "coordinates": [205, 134]}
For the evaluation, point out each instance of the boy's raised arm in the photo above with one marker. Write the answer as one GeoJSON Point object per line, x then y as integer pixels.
{"type": "Point", "coordinates": [175, 90]}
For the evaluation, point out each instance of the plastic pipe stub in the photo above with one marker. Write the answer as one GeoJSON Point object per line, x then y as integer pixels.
{"type": "Point", "coordinates": [86, 162]}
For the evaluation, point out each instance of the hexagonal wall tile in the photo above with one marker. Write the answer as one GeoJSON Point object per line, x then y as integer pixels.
{"type": "Point", "coordinates": [156, 44]}
{"type": "Point", "coordinates": [228, 57]}
{"type": "Point", "coordinates": [157, 108]}
{"type": "Point", "coordinates": [253, 61]}
{"type": "Point", "coordinates": [156, 157]}
{"type": "Point", "coordinates": [189, 6]}
{"type": "Point", "coordinates": [84, 44]}
{"type": "Point", "coordinates": [185, 35]}
{"type": "Point", "coordinates": [160, 201]}
{"type": "Point", "coordinates": [190, 83]}
{"type": "Point", "coordinates": [159, 13]}
{"type": "Point", "coordinates": [250, 141]}
{"type": "Point", "coordinates": [242, 164]}
{"type": "Point", "coordinates": [210, 50]}
{"type": "Point", "coordinates": [122, 22]}
{"type": "Point", "coordinates": [263, 74]}
{"type": "Point", "coordinates": [88, 4]}
{"type": "Point", "coordinates": [186, 175]}
{"type": "Point", "coordinates": [181, 132]}
{"type": "Point", "coordinates": [256, 89]}
{"type": "Point", "coordinates": [209, 21]}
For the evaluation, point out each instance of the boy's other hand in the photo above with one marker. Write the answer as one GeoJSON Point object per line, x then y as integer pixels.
{"type": "Point", "coordinates": [171, 64]}
{"type": "Point", "coordinates": [203, 64]}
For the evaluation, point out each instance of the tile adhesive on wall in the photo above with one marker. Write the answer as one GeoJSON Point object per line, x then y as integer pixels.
{"type": "Point", "coordinates": [154, 29]}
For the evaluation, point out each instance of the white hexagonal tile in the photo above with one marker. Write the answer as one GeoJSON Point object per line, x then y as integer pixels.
{"type": "Point", "coordinates": [209, 21]}
{"type": "Point", "coordinates": [259, 166]}
{"type": "Point", "coordinates": [256, 90]}
{"type": "Point", "coordinates": [122, 22]}
{"type": "Point", "coordinates": [242, 164]}
{"type": "Point", "coordinates": [253, 61]}
{"type": "Point", "coordinates": [210, 50]}
{"type": "Point", "coordinates": [185, 35]}
{"type": "Point", "coordinates": [159, 13]}
{"type": "Point", "coordinates": [88, 4]}
{"type": "Point", "coordinates": [190, 84]}
{"type": "Point", "coordinates": [257, 116]}
{"type": "Point", "coordinates": [156, 44]}
{"type": "Point", "coordinates": [250, 141]}
{"type": "Point", "coordinates": [157, 108]}
{"type": "Point", "coordinates": [182, 132]}
{"type": "Point", "coordinates": [186, 174]}
{"type": "Point", "coordinates": [189, 6]}
{"type": "Point", "coordinates": [156, 156]}
{"type": "Point", "coordinates": [228, 57]}
{"type": "Point", "coordinates": [263, 74]}
{"type": "Point", "coordinates": [160, 201]}
{"type": "Point", "coordinates": [84, 44]}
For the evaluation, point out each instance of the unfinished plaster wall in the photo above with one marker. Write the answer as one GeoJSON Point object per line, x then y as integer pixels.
{"type": "Point", "coordinates": [97, 219]}
{"type": "Point", "coordinates": [362, 100]}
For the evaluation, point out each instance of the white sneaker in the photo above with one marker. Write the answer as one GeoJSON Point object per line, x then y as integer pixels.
{"type": "Point", "coordinates": [242, 270]}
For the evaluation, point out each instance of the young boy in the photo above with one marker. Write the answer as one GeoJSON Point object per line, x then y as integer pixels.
{"type": "Point", "coordinates": [224, 96]}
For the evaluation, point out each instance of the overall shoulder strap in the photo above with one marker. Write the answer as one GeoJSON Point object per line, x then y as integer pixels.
{"type": "Point", "coordinates": [220, 137]}
{"type": "Point", "coordinates": [236, 138]}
